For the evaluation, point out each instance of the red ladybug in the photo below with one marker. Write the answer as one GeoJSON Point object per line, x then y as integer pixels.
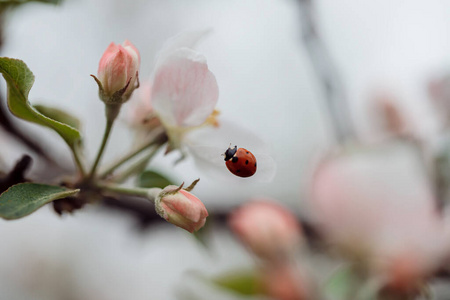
{"type": "Point", "coordinates": [240, 162]}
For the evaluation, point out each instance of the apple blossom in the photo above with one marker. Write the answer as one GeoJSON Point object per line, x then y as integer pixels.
{"type": "Point", "coordinates": [268, 229]}
{"type": "Point", "coordinates": [184, 93]}
{"type": "Point", "coordinates": [179, 207]}
{"type": "Point", "coordinates": [181, 94]}
{"type": "Point", "coordinates": [118, 72]}
{"type": "Point", "coordinates": [377, 207]}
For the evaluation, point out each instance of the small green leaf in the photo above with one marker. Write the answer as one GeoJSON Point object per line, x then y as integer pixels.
{"type": "Point", "coordinates": [341, 284]}
{"type": "Point", "coordinates": [22, 199]}
{"type": "Point", "coordinates": [243, 283]}
{"type": "Point", "coordinates": [19, 81]}
{"type": "Point", "coordinates": [150, 179]}
{"type": "Point", "coordinates": [58, 115]}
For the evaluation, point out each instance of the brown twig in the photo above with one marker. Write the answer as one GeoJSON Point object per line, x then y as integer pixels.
{"type": "Point", "coordinates": [16, 175]}
{"type": "Point", "coordinates": [336, 101]}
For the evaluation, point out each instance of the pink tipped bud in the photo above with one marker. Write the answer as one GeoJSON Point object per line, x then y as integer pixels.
{"type": "Point", "coordinates": [181, 208]}
{"type": "Point", "coordinates": [268, 229]}
{"type": "Point", "coordinates": [118, 69]}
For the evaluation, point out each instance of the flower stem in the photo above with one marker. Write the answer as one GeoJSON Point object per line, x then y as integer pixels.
{"type": "Point", "coordinates": [111, 114]}
{"type": "Point", "coordinates": [149, 194]}
{"type": "Point", "coordinates": [76, 157]}
{"type": "Point", "coordinates": [159, 140]}
{"type": "Point", "coordinates": [138, 166]}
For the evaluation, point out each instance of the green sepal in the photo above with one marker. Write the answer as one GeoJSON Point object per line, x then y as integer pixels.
{"type": "Point", "coordinates": [171, 192]}
{"type": "Point", "coordinates": [192, 186]}
{"type": "Point", "coordinates": [22, 199]}
{"type": "Point", "coordinates": [19, 81]}
{"type": "Point", "coordinates": [116, 98]}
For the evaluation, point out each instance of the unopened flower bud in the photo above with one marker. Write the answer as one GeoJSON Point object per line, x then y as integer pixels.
{"type": "Point", "coordinates": [267, 229]}
{"type": "Point", "coordinates": [118, 72]}
{"type": "Point", "coordinates": [181, 208]}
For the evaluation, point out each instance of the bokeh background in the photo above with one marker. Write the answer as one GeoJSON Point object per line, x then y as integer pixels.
{"type": "Point", "coordinates": [267, 84]}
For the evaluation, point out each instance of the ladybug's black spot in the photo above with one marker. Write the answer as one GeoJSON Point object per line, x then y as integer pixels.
{"type": "Point", "coordinates": [255, 164]}
{"type": "Point", "coordinates": [247, 152]}
{"type": "Point", "coordinates": [246, 162]}
{"type": "Point", "coordinates": [238, 171]}
{"type": "Point", "coordinates": [234, 159]}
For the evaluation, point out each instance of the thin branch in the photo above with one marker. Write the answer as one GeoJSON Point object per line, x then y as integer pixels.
{"type": "Point", "coordinates": [335, 99]}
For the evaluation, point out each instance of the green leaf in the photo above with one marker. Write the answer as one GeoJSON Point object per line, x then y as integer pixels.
{"type": "Point", "coordinates": [342, 284]}
{"type": "Point", "coordinates": [58, 115]}
{"type": "Point", "coordinates": [19, 81]}
{"type": "Point", "coordinates": [149, 179]}
{"type": "Point", "coordinates": [22, 199]}
{"type": "Point", "coordinates": [243, 283]}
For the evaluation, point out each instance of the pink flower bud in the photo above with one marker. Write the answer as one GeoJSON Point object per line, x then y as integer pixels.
{"type": "Point", "coordinates": [118, 67]}
{"type": "Point", "coordinates": [268, 229]}
{"type": "Point", "coordinates": [181, 208]}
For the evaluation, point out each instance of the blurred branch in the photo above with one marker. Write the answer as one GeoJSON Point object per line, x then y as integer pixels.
{"type": "Point", "coordinates": [5, 116]}
{"type": "Point", "coordinates": [335, 99]}
{"type": "Point", "coordinates": [16, 175]}
{"type": "Point", "coordinates": [146, 216]}
{"type": "Point", "coordinates": [14, 131]}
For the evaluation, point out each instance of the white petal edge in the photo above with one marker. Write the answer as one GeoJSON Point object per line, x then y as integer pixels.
{"type": "Point", "coordinates": [185, 91]}
{"type": "Point", "coordinates": [185, 39]}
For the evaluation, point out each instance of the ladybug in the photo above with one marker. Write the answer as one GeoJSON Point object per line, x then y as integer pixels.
{"type": "Point", "coordinates": [240, 162]}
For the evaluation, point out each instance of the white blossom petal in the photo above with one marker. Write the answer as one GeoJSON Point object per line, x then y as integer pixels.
{"type": "Point", "coordinates": [208, 144]}
{"type": "Point", "coordinates": [184, 91]}
{"type": "Point", "coordinates": [185, 39]}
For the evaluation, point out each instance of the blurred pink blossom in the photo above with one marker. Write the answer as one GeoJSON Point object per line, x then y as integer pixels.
{"type": "Point", "coordinates": [376, 206]}
{"type": "Point", "coordinates": [267, 229]}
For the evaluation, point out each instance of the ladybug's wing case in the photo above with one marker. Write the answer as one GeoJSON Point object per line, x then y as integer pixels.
{"type": "Point", "coordinates": [242, 164]}
{"type": "Point", "coordinates": [210, 159]}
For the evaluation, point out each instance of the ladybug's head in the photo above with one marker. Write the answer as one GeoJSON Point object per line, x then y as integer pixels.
{"type": "Point", "coordinates": [230, 153]}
